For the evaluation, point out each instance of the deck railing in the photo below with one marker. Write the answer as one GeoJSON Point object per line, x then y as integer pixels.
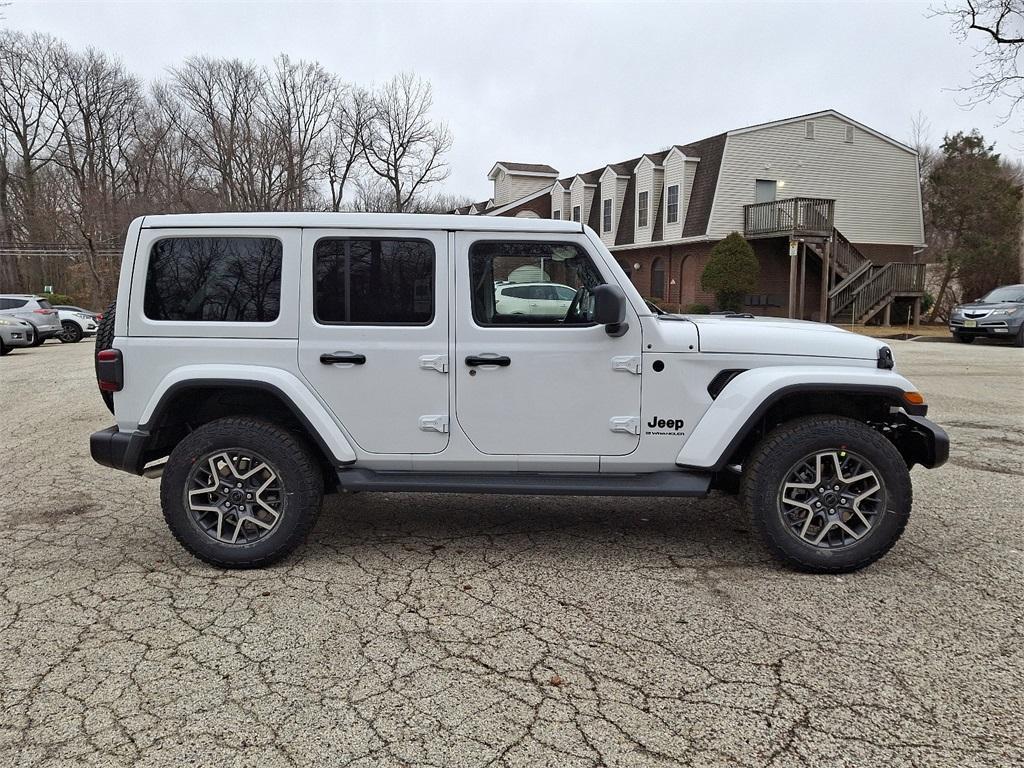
{"type": "Point", "coordinates": [888, 280]}
{"type": "Point", "coordinates": [794, 216]}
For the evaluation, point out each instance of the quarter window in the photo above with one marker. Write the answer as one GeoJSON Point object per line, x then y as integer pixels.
{"type": "Point", "coordinates": [672, 204]}
{"type": "Point", "coordinates": [606, 216]}
{"type": "Point", "coordinates": [208, 279]}
{"type": "Point", "coordinates": [555, 279]}
{"type": "Point", "coordinates": [641, 208]}
{"type": "Point", "coordinates": [373, 281]}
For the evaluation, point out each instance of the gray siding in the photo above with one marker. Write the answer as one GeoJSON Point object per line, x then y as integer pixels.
{"type": "Point", "coordinates": [560, 202]}
{"type": "Point", "coordinates": [583, 196]}
{"type": "Point", "coordinates": [674, 170]}
{"type": "Point", "coordinates": [612, 187]}
{"type": "Point", "coordinates": [513, 186]}
{"type": "Point", "coordinates": [649, 178]}
{"type": "Point", "coordinates": [874, 182]}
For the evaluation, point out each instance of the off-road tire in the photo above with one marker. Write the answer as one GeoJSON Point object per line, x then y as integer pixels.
{"type": "Point", "coordinates": [37, 339]}
{"type": "Point", "coordinates": [1018, 340]}
{"type": "Point", "coordinates": [72, 333]}
{"type": "Point", "coordinates": [105, 340]}
{"type": "Point", "coordinates": [765, 472]}
{"type": "Point", "coordinates": [291, 459]}
{"type": "Point", "coordinates": [963, 338]}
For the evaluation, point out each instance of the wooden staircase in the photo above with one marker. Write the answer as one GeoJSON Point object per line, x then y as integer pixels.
{"type": "Point", "coordinates": [860, 288]}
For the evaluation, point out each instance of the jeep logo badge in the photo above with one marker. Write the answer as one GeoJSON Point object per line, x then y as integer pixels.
{"type": "Point", "coordinates": [659, 426]}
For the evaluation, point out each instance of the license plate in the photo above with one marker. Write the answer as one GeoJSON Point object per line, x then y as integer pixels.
{"type": "Point", "coordinates": [970, 323]}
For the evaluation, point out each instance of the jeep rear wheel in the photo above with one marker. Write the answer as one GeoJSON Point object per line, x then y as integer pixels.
{"type": "Point", "coordinates": [241, 492]}
{"type": "Point", "coordinates": [827, 494]}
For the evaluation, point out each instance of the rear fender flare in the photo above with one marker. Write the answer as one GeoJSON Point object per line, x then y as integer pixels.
{"type": "Point", "coordinates": [293, 392]}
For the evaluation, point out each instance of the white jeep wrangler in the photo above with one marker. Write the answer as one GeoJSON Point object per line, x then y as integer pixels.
{"type": "Point", "coordinates": [256, 361]}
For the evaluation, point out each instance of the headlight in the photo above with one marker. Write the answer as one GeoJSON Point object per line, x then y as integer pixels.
{"type": "Point", "coordinates": [7, 322]}
{"type": "Point", "coordinates": [1011, 311]}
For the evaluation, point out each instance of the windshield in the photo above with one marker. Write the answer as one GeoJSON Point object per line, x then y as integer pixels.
{"type": "Point", "coordinates": [1006, 293]}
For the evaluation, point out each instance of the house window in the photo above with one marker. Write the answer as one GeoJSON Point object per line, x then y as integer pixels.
{"type": "Point", "coordinates": [641, 209]}
{"type": "Point", "coordinates": [658, 279]}
{"type": "Point", "coordinates": [809, 129]}
{"type": "Point", "coordinates": [764, 190]}
{"type": "Point", "coordinates": [575, 213]}
{"type": "Point", "coordinates": [606, 216]}
{"type": "Point", "coordinates": [672, 206]}
{"type": "Point", "coordinates": [557, 215]}
{"type": "Point", "coordinates": [849, 134]}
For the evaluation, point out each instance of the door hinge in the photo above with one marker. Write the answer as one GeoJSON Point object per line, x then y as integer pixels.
{"type": "Point", "coordinates": [434, 424]}
{"type": "Point", "coordinates": [437, 362]}
{"type": "Point", "coordinates": [628, 424]}
{"type": "Point", "coordinates": [628, 363]}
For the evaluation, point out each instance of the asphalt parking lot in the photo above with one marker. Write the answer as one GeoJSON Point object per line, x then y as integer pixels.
{"type": "Point", "coordinates": [472, 631]}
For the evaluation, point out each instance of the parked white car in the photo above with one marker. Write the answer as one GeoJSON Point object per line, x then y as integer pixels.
{"type": "Point", "coordinates": [15, 332]}
{"type": "Point", "coordinates": [256, 360]}
{"type": "Point", "coordinates": [550, 299]}
{"type": "Point", "coordinates": [77, 324]}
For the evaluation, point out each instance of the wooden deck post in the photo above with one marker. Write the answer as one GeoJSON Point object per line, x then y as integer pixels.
{"type": "Point", "coordinates": [887, 317]}
{"type": "Point", "coordinates": [825, 266]}
{"type": "Point", "coordinates": [792, 285]}
{"type": "Point", "coordinates": [917, 311]}
{"type": "Point", "coordinates": [803, 277]}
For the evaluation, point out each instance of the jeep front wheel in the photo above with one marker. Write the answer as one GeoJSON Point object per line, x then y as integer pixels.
{"type": "Point", "coordinates": [241, 492]}
{"type": "Point", "coordinates": [827, 494]}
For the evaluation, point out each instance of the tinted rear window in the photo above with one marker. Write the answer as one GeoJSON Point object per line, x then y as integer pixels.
{"type": "Point", "coordinates": [373, 281]}
{"type": "Point", "coordinates": [235, 279]}
{"type": "Point", "coordinates": [43, 304]}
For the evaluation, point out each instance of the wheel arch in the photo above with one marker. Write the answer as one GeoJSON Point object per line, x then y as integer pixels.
{"type": "Point", "coordinates": [752, 403]}
{"type": "Point", "coordinates": [241, 390]}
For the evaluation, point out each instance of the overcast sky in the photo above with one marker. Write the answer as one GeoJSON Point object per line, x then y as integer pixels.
{"type": "Point", "coordinates": [576, 85]}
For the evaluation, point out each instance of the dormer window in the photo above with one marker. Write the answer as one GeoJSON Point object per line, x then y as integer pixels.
{"type": "Point", "coordinates": [575, 213]}
{"type": "Point", "coordinates": [606, 215]}
{"type": "Point", "coordinates": [672, 204]}
{"type": "Point", "coordinates": [557, 215]}
{"type": "Point", "coordinates": [809, 129]}
{"type": "Point", "coordinates": [641, 208]}
{"type": "Point", "coordinates": [849, 134]}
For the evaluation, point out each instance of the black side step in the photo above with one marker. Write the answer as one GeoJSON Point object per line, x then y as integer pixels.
{"type": "Point", "coordinates": [670, 483]}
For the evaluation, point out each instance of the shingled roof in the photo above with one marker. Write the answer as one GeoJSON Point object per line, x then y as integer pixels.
{"type": "Point", "coordinates": [705, 180]}
{"type": "Point", "coordinates": [527, 167]}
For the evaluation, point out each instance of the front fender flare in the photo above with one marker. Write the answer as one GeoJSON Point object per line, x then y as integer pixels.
{"type": "Point", "coordinates": [748, 396]}
{"type": "Point", "coordinates": [306, 407]}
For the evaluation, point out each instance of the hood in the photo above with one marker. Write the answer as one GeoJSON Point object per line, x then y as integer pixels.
{"type": "Point", "coordinates": [774, 336]}
{"type": "Point", "coordinates": [987, 306]}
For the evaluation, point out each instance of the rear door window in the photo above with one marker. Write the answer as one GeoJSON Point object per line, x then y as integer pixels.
{"type": "Point", "coordinates": [197, 279]}
{"type": "Point", "coordinates": [373, 281]}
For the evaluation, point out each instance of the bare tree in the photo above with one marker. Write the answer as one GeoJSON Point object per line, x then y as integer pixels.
{"type": "Point", "coordinates": [403, 146]}
{"type": "Point", "coordinates": [302, 100]}
{"type": "Point", "coordinates": [998, 25]}
{"type": "Point", "coordinates": [344, 149]}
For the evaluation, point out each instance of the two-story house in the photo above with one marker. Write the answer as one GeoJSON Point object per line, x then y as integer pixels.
{"type": "Point", "coordinates": [831, 207]}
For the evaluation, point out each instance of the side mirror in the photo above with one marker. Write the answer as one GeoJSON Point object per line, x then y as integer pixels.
{"type": "Point", "coordinates": [610, 309]}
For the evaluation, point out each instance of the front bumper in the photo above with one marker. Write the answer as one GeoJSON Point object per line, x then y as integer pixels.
{"type": "Point", "coordinates": [990, 328]}
{"type": "Point", "coordinates": [18, 337]}
{"type": "Point", "coordinates": [925, 442]}
{"type": "Point", "coordinates": [119, 450]}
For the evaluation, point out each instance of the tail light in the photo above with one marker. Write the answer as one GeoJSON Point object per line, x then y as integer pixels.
{"type": "Point", "coordinates": [45, 311]}
{"type": "Point", "coordinates": [110, 370]}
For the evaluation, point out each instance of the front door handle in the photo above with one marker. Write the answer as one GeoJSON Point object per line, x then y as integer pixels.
{"type": "Point", "coordinates": [342, 357]}
{"type": "Point", "coordinates": [501, 360]}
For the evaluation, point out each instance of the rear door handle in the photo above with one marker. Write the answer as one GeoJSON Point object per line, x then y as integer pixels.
{"type": "Point", "coordinates": [501, 360]}
{"type": "Point", "coordinates": [342, 357]}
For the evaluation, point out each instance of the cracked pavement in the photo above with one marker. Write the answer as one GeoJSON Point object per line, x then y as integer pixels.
{"type": "Point", "coordinates": [427, 630]}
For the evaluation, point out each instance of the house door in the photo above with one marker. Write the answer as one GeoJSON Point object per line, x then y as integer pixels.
{"type": "Point", "coordinates": [535, 383]}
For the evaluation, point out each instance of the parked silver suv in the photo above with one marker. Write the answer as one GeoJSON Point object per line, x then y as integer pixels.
{"type": "Point", "coordinates": [35, 310]}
